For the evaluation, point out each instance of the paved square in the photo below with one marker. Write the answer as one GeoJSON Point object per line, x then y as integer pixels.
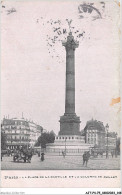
{"type": "Point", "coordinates": [60, 163]}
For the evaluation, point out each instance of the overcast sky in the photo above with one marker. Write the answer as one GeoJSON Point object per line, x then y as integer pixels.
{"type": "Point", "coordinates": [33, 71]}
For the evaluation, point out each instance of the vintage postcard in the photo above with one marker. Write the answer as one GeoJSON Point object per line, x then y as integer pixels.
{"type": "Point", "coordinates": [60, 94]}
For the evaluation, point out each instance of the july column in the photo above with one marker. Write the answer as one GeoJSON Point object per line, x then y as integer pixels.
{"type": "Point", "coordinates": [70, 47]}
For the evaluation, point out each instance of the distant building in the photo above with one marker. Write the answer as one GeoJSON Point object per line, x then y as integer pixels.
{"type": "Point", "coordinates": [112, 140]}
{"type": "Point", "coordinates": [20, 132]}
{"type": "Point", "coordinates": [95, 133]}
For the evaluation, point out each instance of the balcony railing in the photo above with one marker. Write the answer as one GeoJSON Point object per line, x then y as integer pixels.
{"type": "Point", "coordinates": [27, 134]}
{"type": "Point", "coordinates": [18, 140]}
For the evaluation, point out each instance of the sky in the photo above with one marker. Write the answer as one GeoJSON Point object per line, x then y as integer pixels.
{"type": "Point", "coordinates": [33, 60]}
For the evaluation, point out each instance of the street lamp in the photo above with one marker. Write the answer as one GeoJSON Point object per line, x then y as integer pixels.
{"type": "Point", "coordinates": [116, 139]}
{"type": "Point", "coordinates": [107, 127]}
{"type": "Point", "coordinates": [116, 146]}
{"type": "Point", "coordinates": [65, 145]}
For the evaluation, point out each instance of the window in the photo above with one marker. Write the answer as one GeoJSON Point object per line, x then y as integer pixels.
{"type": "Point", "coordinates": [69, 137]}
{"type": "Point", "coordinates": [72, 137]}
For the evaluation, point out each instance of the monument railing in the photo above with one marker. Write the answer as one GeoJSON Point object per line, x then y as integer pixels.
{"type": "Point", "coordinates": [68, 151]}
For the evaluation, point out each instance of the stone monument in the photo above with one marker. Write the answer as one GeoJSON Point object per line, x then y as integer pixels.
{"type": "Point", "coordinates": [70, 122]}
{"type": "Point", "coordinates": [69, 138]}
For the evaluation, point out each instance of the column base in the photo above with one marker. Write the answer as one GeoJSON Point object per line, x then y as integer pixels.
{"type": "Point", "coordinates": [69, 124]}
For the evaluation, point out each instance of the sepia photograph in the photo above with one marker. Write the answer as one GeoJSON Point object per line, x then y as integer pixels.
{"type": "Point", "coordinates": [60, 85]}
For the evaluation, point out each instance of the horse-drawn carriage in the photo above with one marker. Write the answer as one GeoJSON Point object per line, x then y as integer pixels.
{"type": "Point", "coordinates": [95, 152]}
{"type": "Point", "coordinates": [23, 155]}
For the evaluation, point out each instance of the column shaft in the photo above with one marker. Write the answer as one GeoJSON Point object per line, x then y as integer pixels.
{"type": "Point", "coordinates": [70, 82]}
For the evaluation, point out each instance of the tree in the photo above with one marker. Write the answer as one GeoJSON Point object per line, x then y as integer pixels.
{"type": "Point", "coordinates": [3, 141]}
{"type": "Point", "coordinates": [45, 138]}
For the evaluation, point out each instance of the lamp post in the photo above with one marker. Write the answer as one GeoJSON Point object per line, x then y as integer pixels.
{"type": "Point", "coordinates": [116, 139]}
{"type": "Point", "coordinates": [65, 146]}
{"type": "Point", "coordinates": [107, 127]}
{"type": "Point", "coordinates": [116, 146]}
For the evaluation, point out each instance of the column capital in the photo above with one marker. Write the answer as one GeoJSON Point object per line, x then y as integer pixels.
{"type": "Point", "coordinates": [70, 43]}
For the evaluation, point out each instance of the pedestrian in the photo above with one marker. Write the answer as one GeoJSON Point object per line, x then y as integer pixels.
{"type": "Point", "coordinates": [106, 154]}
{"type": "Point", "coordinates": [116, 153]}
{"type": "Point", "coordinates": [42, 156]}
{"type": "Point", "coordinates": [86, 157]}
{"type": "Point", "coordinates": [112, 154]}
{"type": "Point", "coordinates": [63, 154]}
{"type": "Point", "coordinates": [1, 157]}
{"type": "Point", "coordinates": [21, 151]}
{"type": "Point", "coordinates": [38, 154]}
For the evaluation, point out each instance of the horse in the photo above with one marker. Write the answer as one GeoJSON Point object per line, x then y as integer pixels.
{"type": "Point", "coordinates": [17, 156]}
{"type": "Point", "coordinates": [28, 153]}
{"type": "Point", "coordinates": [86, 157]}
{"type": "Point", "coordinates": [23, 154]}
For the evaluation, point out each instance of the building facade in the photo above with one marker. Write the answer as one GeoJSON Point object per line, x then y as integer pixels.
{"type": "Point", "coordinates": [111, 140]}
{"type": "Point", "coordinates": [20, 132]}
{"type": "Point", "coordinates": [95, 133]}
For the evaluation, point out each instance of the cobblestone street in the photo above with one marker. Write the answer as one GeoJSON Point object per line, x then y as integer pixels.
{"type": "Point", "coordinates": [60, 163]}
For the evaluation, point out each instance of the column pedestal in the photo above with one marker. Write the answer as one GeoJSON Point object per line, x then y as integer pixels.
{"type": "Point", "coordinates": [69, 124]}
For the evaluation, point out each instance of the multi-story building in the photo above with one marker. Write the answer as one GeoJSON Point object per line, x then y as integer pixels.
{"type": "Point", "coordinates": [20, 132]}
{"type": "Point", "coordinates": [95, 133]}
